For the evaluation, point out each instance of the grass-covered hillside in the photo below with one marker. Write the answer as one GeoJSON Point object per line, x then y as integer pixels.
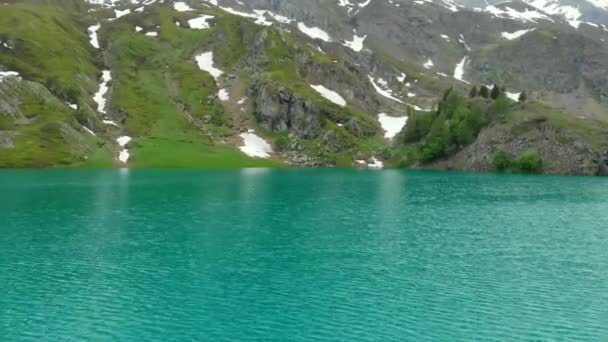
{"type": "Point", "coordinates": [49, 50]}
{"type": "Point", "coordinates": [158, 95]}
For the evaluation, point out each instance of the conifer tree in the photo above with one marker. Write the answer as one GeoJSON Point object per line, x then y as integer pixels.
{"type": "Point", "coordinates": [523, 96]}
{"type": "Point", "coordinates": [495, 92]}
{"type": "Point", "coordinates": [473, 92]}
{"type": "Point", "coordinates": [484, 92]}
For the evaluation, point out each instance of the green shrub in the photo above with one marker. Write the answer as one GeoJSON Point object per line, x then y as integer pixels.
{"type": "Point", "coordinates": [501, 105]}
{"type": "Point", "coordinates": [433, 151]}
{"type": "Point", "coordinates": [280, 143]}
{"type": "Point", "coordinates": [528, 162]}
{"type": "Point", "coordinates": [501, 161]}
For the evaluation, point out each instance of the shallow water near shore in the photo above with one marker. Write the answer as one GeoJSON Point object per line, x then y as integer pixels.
{"type": "Point", "coordinates": [301, 255]}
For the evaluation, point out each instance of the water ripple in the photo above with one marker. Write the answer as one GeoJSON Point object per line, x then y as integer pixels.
{"type": "Point", "coordinates": [306, 255]}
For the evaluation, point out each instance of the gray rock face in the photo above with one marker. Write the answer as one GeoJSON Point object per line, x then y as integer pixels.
{"type": "Point", "coordinates": [347, 80]}
{"type": "Point", "coordinates": [603, 169]}
{"type": "Point", "coordinates": [557, 60]}
{"type": "Point", "coordinates": [6, 139]}
{"type": "Point", "coordinates": [561, 152]}
{"type": "Point", "coordinates": [572, 59]}
{"type": "Point", "coordinates": [278, 110]}
{"type": "Point", "coordinates": [9, 99]}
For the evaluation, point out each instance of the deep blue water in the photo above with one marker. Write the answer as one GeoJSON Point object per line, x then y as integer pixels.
{"type": "Point", "coordinates": [302, 255]}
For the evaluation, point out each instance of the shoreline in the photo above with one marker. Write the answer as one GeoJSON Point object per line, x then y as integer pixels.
{"type": "Point", "coordinates": [294, 168]}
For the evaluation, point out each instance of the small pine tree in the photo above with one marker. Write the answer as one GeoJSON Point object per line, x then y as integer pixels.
{"type": "Point", "coordinates": [495, 92]}
{"type": "Point", "coordinates": [484, 92]}
{"type": "Point", "coordinates": [473, 92]}
{"type": "Point", "coordinates": [523, 97]}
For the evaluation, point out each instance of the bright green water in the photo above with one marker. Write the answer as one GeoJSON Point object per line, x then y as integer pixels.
{"type": "Point", "coordinates": [301, 255]}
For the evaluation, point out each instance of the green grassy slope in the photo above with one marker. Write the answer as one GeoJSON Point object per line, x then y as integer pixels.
{"type": "Point", "coordinates": [45, 132]}
{"type": "Point", "coordinates": [164, 96]}
{"type": "Point", "coordinates": [49, 49]}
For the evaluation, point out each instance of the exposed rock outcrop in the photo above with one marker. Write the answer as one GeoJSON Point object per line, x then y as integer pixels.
{"type": "Point", "coordinates": [278, 110]}
{"type": "Point", "coordinates": [562, 152]}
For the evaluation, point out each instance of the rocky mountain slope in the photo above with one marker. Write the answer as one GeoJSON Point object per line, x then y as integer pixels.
{"type": "Point", "coordinates": [222, 83]}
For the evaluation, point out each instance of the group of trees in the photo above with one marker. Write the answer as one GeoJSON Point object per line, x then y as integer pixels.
{"type": "Point", "coordinates": [485, 92]}
{"type": "Point", "coordinates": [455, 124]}
{"type": "Point", "coordinates": [494, 93]}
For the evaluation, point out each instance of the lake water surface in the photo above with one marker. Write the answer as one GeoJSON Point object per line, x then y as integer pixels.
{"type": "Point", "coordinates": [301, 255]}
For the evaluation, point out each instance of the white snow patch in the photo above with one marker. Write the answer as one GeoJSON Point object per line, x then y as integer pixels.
{"type": "Point", "coordinates": [86, 129]}
{"type": "Point", "coordinates": [428, 64]}
{"type": "Point", "coordinates": [391, 125]}
{"type": "Point", "coordinates": [329, 94]}
{"type": "Point", "coordinates": [513, 96]}
{"type": "Point", "coordinates": [364, 4]}
{"type": "Point", "coordinates": [555, 8]}
{"type": "Point", "coordinates": [182, 6]}
{"type": "Point", "coordinates": [200, 23]}
{"type": "Point", "coordinates": [120, 13]}
{"type": "Point", "coordinates": [510, 13]}
{"type": "Point", "coordinates": [314, 32]}
{"type": "Point", "coordinates": [152, 34]}
{"type": "Point", "coordinates": [109, 122]}
{"type": "Point", "coordinates": [223, 95]}
{"type": "Point", "coordinates": [280, 18]}
{"type": "Point", "coordinates": [258, 15]}
{"type": "Point", "coordinates": [93, 35]}
{"type": "Point", "coordinates": [205, 63]}
{"type": "Point", "coordinates": [99, 97]}
{"type": "Point", "coordinates": [254, 146]}
{"type": "Point", "coordinates": [459, 70]}
{"type": "Point", "coordinates": [4, 74]}
{"type": "Point", "coordinates": [123, 155]}
{"type": "Point", "coordinates": [515, 35]}
{"type": "Point", "coordinates": [463, 42]}
{"type": "Point", "coordinates": [356, 44]}
{"type": "Point", "coordinates": [386, 92]}
{"type": "Point", "coordinates": [123, 140]}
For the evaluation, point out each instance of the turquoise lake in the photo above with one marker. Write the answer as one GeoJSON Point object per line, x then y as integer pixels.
{"type": "Point", "coordinates": [301, 255]}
